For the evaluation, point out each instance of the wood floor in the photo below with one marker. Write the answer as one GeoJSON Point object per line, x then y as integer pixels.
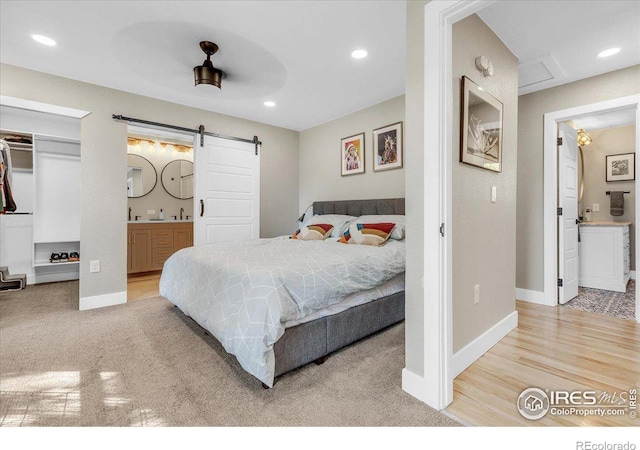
{"type": "Point", "coordinates": [556, 349]}
{"type": "Point", "coordinates": [143, 286]}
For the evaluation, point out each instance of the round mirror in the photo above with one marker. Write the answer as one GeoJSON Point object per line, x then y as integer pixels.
{"type": "Point", "coordinates": [177, 179]}
{"type": "Point", "coordinates": [141, 176]}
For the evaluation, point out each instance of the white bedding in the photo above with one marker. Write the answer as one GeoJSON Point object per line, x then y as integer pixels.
{"type": "Point", "coordinates": [244, 293]}
{"type": "Point", "coordinates": [393, 286]}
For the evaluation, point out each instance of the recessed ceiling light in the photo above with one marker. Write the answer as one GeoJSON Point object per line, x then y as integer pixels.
{"type": "Point", "coordinates": [270, 104]}
{"type": "Point", "coordinates": [359, 54]}
{"type": "Point", "coordinates": [44, 40]}
{"type": "Point", "coordinates": [608, 52]}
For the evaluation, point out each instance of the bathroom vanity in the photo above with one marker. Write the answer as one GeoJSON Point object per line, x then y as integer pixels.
{"type": "Point", "coordinates": [604, 255]}
{"type": "Point", "coordinates": [150, 243]}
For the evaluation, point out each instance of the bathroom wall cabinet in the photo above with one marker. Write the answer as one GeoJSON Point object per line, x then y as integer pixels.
{"type": "Point", "coordinates": [605, 255]}
{"type": "Point", "coordinates": [151, 244]}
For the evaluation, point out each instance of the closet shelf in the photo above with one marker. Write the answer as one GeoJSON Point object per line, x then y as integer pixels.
{"type": "Point", "coordinates": [48, 264]}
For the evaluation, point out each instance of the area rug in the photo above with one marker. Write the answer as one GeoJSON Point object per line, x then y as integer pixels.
{"type": "Point", "coordinates": [616, 304]}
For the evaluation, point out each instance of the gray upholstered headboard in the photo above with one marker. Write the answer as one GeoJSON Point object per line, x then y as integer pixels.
{"type": "Point", "coordinates": [360, 207]}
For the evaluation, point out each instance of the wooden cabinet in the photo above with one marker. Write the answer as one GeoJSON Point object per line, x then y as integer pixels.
{"type": "Point", "coordinates": [182, 238]}
{"type": "Point", "coordinates": [151, 244]}
{"type": "Point", "coordinates": [139, 255]}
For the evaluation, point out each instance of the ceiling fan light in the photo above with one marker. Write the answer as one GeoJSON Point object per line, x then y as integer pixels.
{"type": "Point", "coordinates": [207, 74]}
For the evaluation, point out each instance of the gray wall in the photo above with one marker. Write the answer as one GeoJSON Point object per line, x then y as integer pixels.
{"type": "Point", "coordinates": [609, 141]}
{"type": "Point", "coordinates": [104, 162]}
{"type": "Point", "coordinates": [414, 198]}
{"type": "Point", "coordinates": [484, 233]}
{"type": "Point", "coordinates": [531, 109]}
{"type": "Point", "coordinates": [320, 177]}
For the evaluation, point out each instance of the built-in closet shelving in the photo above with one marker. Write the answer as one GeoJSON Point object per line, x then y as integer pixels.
{"type": "Point", "coordinates": [56, 168]}
{"type": "Point", "coordinates": [46, 187]}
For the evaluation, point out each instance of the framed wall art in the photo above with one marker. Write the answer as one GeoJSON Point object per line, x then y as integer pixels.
{"type": "Point", "coordinates": [621, 167]}
{"type": "Point", "coordinates": [387, 147]}
{"type": "Point", "coordinates": [481, 128]}
{"type": "Point", "coordinates": [352, 154]}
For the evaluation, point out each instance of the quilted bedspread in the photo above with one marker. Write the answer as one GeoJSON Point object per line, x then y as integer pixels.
{"type": "Point", "coordinates": [243, 292]}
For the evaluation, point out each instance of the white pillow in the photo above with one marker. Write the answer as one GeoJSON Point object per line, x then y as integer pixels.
{"type": "Point", "coordinates": [339, 222]}
{"type": "Point", "coordinates": [398, 231]}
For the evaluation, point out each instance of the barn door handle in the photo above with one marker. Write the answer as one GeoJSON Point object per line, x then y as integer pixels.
{"type": "Point", "coordinates": [201, 208]}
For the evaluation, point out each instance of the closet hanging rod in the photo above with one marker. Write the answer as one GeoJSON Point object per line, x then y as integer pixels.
{"type": "Point", "coordinates": [188, 130]}
{"type": "Point", "coordinates": [624, 192]}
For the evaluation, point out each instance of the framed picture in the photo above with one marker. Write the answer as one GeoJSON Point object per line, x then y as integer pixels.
{"type": "Point", "coordinates": [352, 154]}
{"type": "Point", "coordinates": [481, 128]}
{"type": "Point", "coordinates": [621, 167]}
{"type": "Point", "coordinates": [387, 147]}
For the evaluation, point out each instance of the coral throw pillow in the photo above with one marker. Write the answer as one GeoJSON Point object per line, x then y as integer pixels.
{"type": "Point", "coordinates": [316, 232]}
{"type": "Point", "coordinates": [367, 233]}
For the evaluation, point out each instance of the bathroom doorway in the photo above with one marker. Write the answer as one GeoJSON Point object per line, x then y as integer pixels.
{"type": "Point", "coordinates": [160, 204]}
{"type": "Point", "coordinates": [593, 195]}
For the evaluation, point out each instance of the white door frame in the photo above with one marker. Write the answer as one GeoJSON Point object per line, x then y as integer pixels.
{"type": "Point", "coordinates": [551, 120]}
{"type": "Point", "coordinates": [437, 383]}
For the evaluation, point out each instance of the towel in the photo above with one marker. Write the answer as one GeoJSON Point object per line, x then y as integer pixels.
{"type": "Point", "coordinates": [617, 203]}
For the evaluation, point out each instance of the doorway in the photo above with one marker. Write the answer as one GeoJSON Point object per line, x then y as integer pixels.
{"type": "Point", "coordinates": [40, 232]}
{"type": "Point", "coordinates": [603, 261]}
{"type": "Point", "coordinates": [160, 177]}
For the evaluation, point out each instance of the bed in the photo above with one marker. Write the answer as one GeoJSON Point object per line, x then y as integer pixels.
{"type": "Point", "coordinates": [277, 304]}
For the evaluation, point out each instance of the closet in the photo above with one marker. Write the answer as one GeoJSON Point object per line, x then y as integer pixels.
{"type": "Point", "coordinates": [45, 151]}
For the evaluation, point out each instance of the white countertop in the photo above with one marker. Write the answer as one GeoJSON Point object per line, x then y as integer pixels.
{"type": "Point", "coordinates": [604, 224]}
{"type": "Point", "coordinates": [160, 221]}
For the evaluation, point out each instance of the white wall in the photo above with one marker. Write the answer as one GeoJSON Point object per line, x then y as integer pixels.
{"type": "Point", "coordinates": [531, 110]}
{"type": "Point", "coordinates": [484, 233]}
{"type": "Point", "coordinates": [609, 141]}
{"type": "Point", "coordinates": [158, 197]}
{"type": "Point", "coordinates": [414, 198]}
{"type": "Point", "coordinates": [320, 169]}
{"type": "Point", "coordinates": [104, 165]}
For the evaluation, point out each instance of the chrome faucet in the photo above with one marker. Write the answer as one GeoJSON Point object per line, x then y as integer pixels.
{"type": "Point", "coordinates": [181, 211]}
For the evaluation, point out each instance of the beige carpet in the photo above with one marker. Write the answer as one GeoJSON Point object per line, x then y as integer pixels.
{"type": "Point", "coordinates": [146, 364]}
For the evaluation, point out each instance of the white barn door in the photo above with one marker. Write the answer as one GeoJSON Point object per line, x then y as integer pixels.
{"type": "Point", "coordinates": [568, 221]}
{"type": "Point", "coordinates": [227, 191]}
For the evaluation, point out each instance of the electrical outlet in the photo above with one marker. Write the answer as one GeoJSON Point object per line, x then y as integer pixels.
{"type": "Point", "coordinates": [493, 194]}
{"type": "Point", "coordinates": [596, 207]}
{"type": "Point", "coordinates": [151, 211]}
{"type": "Point", "coordinates": [476, 294]}
{"type": "Point", "coordinates": [94, 266]}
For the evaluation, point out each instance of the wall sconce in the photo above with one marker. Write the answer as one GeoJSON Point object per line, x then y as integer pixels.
{"type": "Point", "coordinates": [484, 65]}
{"type": "Point", "coordinates": [583, 138]}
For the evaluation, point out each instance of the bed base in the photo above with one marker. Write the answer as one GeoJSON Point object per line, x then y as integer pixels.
{"type": "Point", "coordinates": [313, 341]}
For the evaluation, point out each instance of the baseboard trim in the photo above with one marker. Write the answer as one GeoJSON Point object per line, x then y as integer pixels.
{"type": "Point", "coordinates": [413, 385]}
{"type": "Point", "coordinates": [530, 296]}
{"type": "Point", "coordinates": [480, 345]}
{"type": "Point", "coordinates": [100, 301]}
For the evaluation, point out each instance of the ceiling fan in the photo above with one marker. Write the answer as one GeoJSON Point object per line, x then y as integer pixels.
{"type": "Point", "coordinates": [206, 73]}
